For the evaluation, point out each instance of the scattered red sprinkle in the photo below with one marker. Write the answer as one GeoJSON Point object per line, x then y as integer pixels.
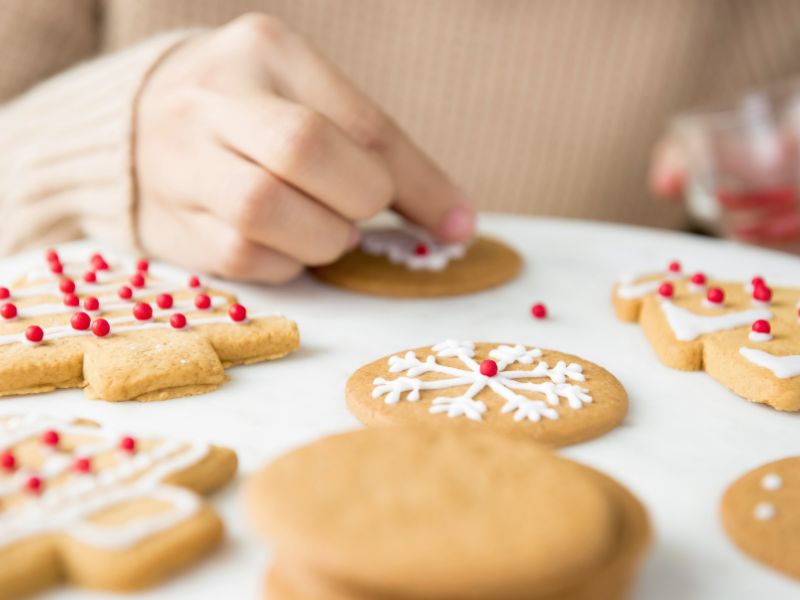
{"type": "Point", "coordinates": [91, 304]}
{"type": "Point", "coordinates": [674, 267]}
{"type": "Point", "coordinates": [56, 267]}
{"type": "Point", "coordinates": [142, 311]}
{"type": "Point", "coordinates": [80, 321]}
{"type": "Point", "coordinates": [194, 281]}
{"type": "Point", "coordinates": [8, 461]}
{"type": "Point", "coordinates": [4, 293]}
{"type": "Point", "coordinates": [82, 465]}
{"type": "Point", "coordinates": [761, 326]}
{"type": "Point", "coordinates": [699, 279]}
{"type": "Point", "coordinates": [34, 334]}
{"type": "Point", "coordinates": [178, 320]}
{"type": "Point", "coordinates": [128, 444]}
{"type": "Point", "coordinates": [715, 295]}
{"type": "Point", "coordinates": [137, 280]}
{"type": "Point", "coordinates": [202, 301]}
{"type": "Point", "coordinates": [489, 368]}
{"type": "Point", "coordinates": [51, 255]}
{"type": "Point", "coordinates": [8, 310]}
{"type": "Point", "coordinates": [142, 265]}
{"type": "Point", "coordinates": [34, 484]}
{"type": "Point", "coordinates": [90, 277]}
{"type": "Point", "coordinates": [164, 300]}
{"type": "Point", "coordinates": [666, 290]}
{"type": "Point", "coordinates": [125, 292]}
{"type": "Point", "coordinates": [71, 299]}
{"type": "Point", "coordinates": [421, 249]}
{"type": "Point", "coordinates": [66, 285]}
{"type": "Point", "coordinates": [51, 438]}
{"type": "Point", "coordinates": [762, 293]}
{"type": "Point", "coordinates": [539, 311]}
{"type": "Point", "coordinates": [100, 327]}
{"type": "Point", "coordinates": [237, 312]}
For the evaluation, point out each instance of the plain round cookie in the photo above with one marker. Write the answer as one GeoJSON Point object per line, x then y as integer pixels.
{"type": "Point", "coordinates": [417, 512]}
{"type": "Point", "coordinates": [486, 264]}
{"type": "Point", "coordinates": [761, 514]}
{"type": "Point", "coordinates": [608, 407]}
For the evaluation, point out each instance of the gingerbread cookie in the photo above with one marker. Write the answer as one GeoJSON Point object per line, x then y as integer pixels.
{"type": "Point", "coordinates": [127, 336]}
{"type": "Point", "coordinates": [415, 512]}
{"type": "Point", "coordinates": [555, 398]}
{"type": "Point", "coordinates": [409, 263]}
{"type": "Point", "coordinates": [761, 513]}
{"type": "Point", "coordinates": [82, 504]}
{"type": "Point", "coordinates": [746, 336]}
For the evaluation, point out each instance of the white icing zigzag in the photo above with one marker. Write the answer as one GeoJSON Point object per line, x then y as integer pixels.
{"type": "Point", "coordinates": [416, 249]}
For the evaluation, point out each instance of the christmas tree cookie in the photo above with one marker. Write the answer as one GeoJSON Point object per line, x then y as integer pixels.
{"type": "Point", "coordinates": [409, 263]}
{"type": "Point", "coordinates": [418, 512]}
{"type": "Point", "coordinates": [745, 335]}
{"type": "Point", "coordinates": [100, 509]}
{"type": "Point", "coordinates": [122, 334]}
{"type": "Point", "coordinates": [555, 398]}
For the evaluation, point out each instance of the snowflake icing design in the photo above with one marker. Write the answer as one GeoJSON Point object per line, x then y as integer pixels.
{"type": "Point", "coordinates": [504, 383]}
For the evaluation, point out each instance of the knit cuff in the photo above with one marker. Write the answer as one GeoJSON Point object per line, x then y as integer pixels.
{"type": "Point", "coordinates": [66, 151]}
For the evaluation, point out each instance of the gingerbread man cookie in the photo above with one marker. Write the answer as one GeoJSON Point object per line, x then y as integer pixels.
{"type": "Point", "coordinates": [98, 509]}
{"type": "Point", "coordinates": [745, 335]}
{"type": "Point", "coordinates": [552, 397]}
{"type": "Point", "coordinates": [415, 512]}
{"type": "Point", "coordinates": [409, 263]}
{"type": "Point", "coordinates": [761, 513]}
{"type": "Point", "coordinates": [125, 335]}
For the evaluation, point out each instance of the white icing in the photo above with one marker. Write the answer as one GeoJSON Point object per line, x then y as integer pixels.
{"type": "Point", "coordinates": [399, 245]}
{"type": "Point", "coordinates": [688, 326]}
{"type": "Point", "coordinates": [758, 336]}
{"type": "Point", "coordinates": [712, 305]}
{"type": "Point", "coordinates": [630, 287]}
{"type": "Point", "coordinates": [697, 287]}
{"type": "Point", "coordinates": [764, 511]}
{"type": "Point", "coordinates": [67, 506]}
{"type": "Point", "coordinates": [771, 482]}
{"type": "Point", "coordinates": [503, 383]}
{"type": "Point", "coordinates": [783, 367]}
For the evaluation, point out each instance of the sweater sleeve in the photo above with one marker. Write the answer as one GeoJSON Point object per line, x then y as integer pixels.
{"type": "Point", "coordinates": [66, 151]}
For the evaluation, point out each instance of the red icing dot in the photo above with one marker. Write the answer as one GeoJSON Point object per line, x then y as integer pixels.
{"type": "Point", "coordinates": [142, 311]}
{"type": "Point", "coordinates": [762, 293]}
{"type": "Point", "coordinates": [125, 292]}
{"type": "Point", "coordinates": [539, 311]}
{"type": "Point", "coordinates": [715, 295]}
{"type": "Point", "coordinates": [34, 334]}
{"type": "Point", "coordinates": [202, 301]}
{"type": "Point", "coordinates": [421, 249]}
{"type": "Point", "coordinates": [237, 312]}
{"type": "Point", "coordinates": [142, 265]}
{"type": "Point", "coordinates": [666, 290]}
{"type": "Point", "coordinates": [51, 438]}
{"type": "Point", "coordinates": [80, 321]}
{"type": "Point", "coordinates": [164, 301]}
{"type": "Point", "coordinates": [699, 279]}
{"type": "Point", "coordinates": [7, 461]}
{"type": "Point", "coordinates": [101, 328]}
{"type": "Point", "coordinates": [56, 267]}
{"type": "Point", "coordinates": [98, 262]}
{"type": "Point", "coordinates": [489, 368]}
{"type": "Point", "coordinates": [178, 321]}
{"type": "Point", "coordinates": [194, 281]}
{"type": "Point", "coordinates": [51, 255]}
{"type": "Point", "coordinates": [128, 444]}
{"type": "Point", "coordinates": [82, 465]}
{"type": "Point", "coordinates": [761, 326]}
{"type": "Point", "coordinates": [137, 280]}
{"type": "Point", "coordinates": [8, 310]}
{"type": "Point", "coordinates": [34, 484]}
{"type": "Point", "coordinates": [66, 285]}
{"type": "Point", "coordinates": [71, 300]}
{"type": "Point", "coordinates": [674, 267]}
{"type": "Point", "coordinates": [4, 293]}
{"type": "Point", "coordinates": [757, 281]}
{"type": "Point", "coordinates": [90, 277]}
{"type": "Point", "coordinates": [91, 304]}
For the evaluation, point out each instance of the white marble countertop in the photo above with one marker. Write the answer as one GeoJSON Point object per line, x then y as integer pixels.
{"type": "Point", "coordinates": [685, 438]}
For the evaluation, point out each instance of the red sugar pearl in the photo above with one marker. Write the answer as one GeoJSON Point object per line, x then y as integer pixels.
{"type": "Point", "coordinates": [125, 292]}
{"type": "Point", "coordinates": [82, 465]}
{"type": "Point", "coordinates": [762, 293]}
{"type": "Point", "coordinates": [666, 290]}
{"type": "Point", "coordinates": [80, 321]}
{"type": "Point", "coordinates": [90, 277]}
{"type": "Point", "coordinates": [421, 249]}
{"type": "Point", "coordinates": [757, 281]}
{"type": "Point", "coordinates": [56, 267]}
{"type": "Point", "coordinates": [127, 444]}
{"type": "Point", "coordinates": [8, 461]}
{"type": "Point", "coordinates": [51, 438]}
{"type": "Point", "coordinates": [674, 267]}
{"type": "Point", "coordinates": [101, 328]}
{"type": "Point", "coordinates": [51, 255]}
{"type": "Point", "coordinates": [194, 281]}
{"type": "Point", "coordinates": [66, 285]}
{"type": "Point", "coordinates": [34, 334]}
{"type": "Point", "coordinates": [137, 280]}
{"type": "Point", "coordinates": [715, 295]}
{"type": "Point", "coordinates": [761, 326]}
{"type": "Point", "coordinates": [71, 300]}
{"type": "Point", "coordinates": [237, 313]}
{"type": "Point", "coordinates": [699, 279]}
{"type": "Point", "coordinates": [202, 301]}
{"type": "Point", "coordinates": [91, 304]}
{"type": "Point", "coordinates": [164, 300]}
{"type": "Point", "coordinates": [4, 293]}
{"type": "Point", "coordinates": [142, 265]}
{"type": "Point", "coordinates": [489, 368]}
{"type": "Point", "coordinates": [539, 311]}
{"type": "Point", "coordinates": [34, 484]}
{"type": "Point", "coordinates": [98, 262]}
{"type": "Point", "coordinates": [142, 311]}
{"type": "Point", "coordinates": [8, 310]}
{"type": "Point", "coordinates": [178, 321]}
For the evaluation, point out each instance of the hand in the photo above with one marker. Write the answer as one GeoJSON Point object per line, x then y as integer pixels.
{"type": "Point", "coordinates": [255, 157]}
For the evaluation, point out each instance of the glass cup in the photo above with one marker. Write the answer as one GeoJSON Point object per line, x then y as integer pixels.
{"type": "Point", "coordinates": [742, 166]}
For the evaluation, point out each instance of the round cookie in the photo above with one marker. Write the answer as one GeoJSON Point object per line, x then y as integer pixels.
{"type": "Point", "coordinates": [555, 398]}
{"type": "Point", "coordinates": [410, 264]}
{"type": "Point", "coordinates": [415, 512]}
{"type": "Point", "coordinates": [761, 514]}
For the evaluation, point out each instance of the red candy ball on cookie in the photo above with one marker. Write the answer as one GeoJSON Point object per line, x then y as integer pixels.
{"type": "Point", "coordinates": [715, 295]}
{"type": "Point", "coordinates": [125, 293]}
{"type": "Point", "coordinates": [539, 311]}
{"type": "Point", "coordinates": [421, 250]}
{"type": "Point", "coordinates": [101, 327]}
{"type": "Point", "coordinates": [194, 281]}
{"type": "Point", "coordinates": [127, 444]}
{"type": "Point", "coordinates": [237, 313]}
{"type": "Point", "coordinates": [178, 321]}
{"type": "Point", "coordinates": [51, 255]}
{"type": "Point", "coordinates": [8, 311]}
{"type": "Point", "coordinates": [762, 293]}
{"type": "Point", "coordinates": [90, 277]}
{"type": "Point", "coordinates": [71, 300]}
{"type": "Point", "coordinates": [137, 280]}
{"type": "Point", "coordinates": [66, 285]}
{"type": "Point", "coordinates": [34, 484]}
{"type": "Point", "coordinates": [8, 461]}
{"type": "Point", "coordinates": [757, 281]}
{"type": "Point", "coordinates": [202, 301]}
{"type": "Point", "coordinates": [56, 267]}
{"type": "Point", "coordinates": [4, 293]}
{"type": "Point", "coordinates": [34, 334]}
{"type": "Point", "coordinates": [666, 290]}
{"type": "Point", "coordinates": [142, 311]}
{"type": "Point", "coordinates": [82, 464]}
{"type": "Point", "coordinates": [698, 279]}
{"type": "Point", "coordinates": [91, 304]}
{"type": "Point", "coordinates": [98, 262]}
{"type": "Point", "coordinates": [761, 326]}
{"type": "Point", "coordinates": [164, 300]}
{"type": "Point", "coordinates": [80, 321]}
{"type": "Point", "coordinates": [51, 438]}
{"type": "Point", "coordinates": [488, 368]}
{"type": "Point", "coordinates": [142, 265]}
{"type": "Point", "coordinates": [674, 266]}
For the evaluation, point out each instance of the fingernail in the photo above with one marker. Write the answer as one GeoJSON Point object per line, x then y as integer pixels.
{"type": "Point", "coordinates": [355, 238]}
{"type": "Point", "coordinates": [458, 225]}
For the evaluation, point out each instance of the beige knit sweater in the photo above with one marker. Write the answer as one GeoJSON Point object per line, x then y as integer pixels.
{"type": "Point", "coordinates": [539, 106]}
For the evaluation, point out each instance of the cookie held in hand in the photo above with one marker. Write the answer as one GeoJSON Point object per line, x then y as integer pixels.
{"type": "Point", "coordinates": [554, 398]}
{"type": "Point", "coordinates": [408, 263]}
{"type": "Point", "coordinates": [418, 512]}
{"type": "Point", "coordinates": [82, 504]}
